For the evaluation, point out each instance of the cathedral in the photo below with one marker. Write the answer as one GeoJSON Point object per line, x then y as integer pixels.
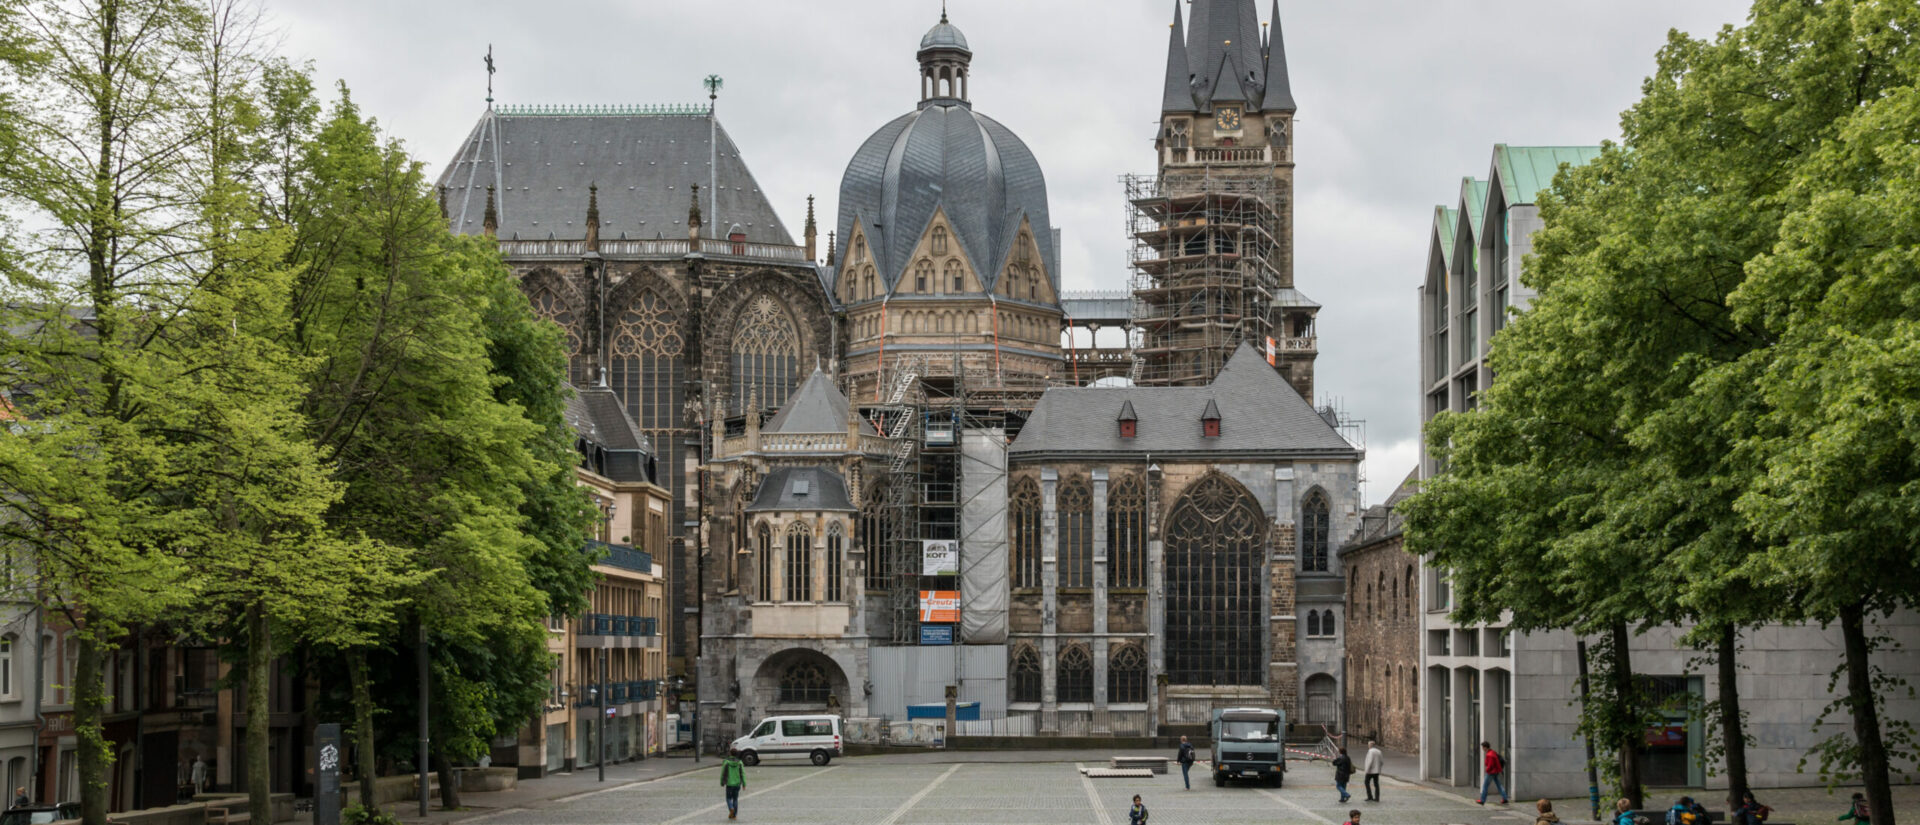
{"type": "Point", "coordinates": [891, 482]}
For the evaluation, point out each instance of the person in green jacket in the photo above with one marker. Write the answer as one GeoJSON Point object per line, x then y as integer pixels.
{"type": "Point", "coordinates": [1857, 811]}
{"type": "Point", "coordinates": [733, 777]}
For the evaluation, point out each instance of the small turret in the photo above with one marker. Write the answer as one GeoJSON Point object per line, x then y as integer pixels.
{"type": "Point", "coordinates": [693, 216]}
{"type": "Point", "coordinates": [593, 217]}
{"type": "Point", "coordinates": [811, 231]}
{"type": "Point", "coordinates": [490, 222]}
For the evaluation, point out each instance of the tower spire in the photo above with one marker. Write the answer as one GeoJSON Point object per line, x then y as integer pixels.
{"type": "Point", "coordinates": [1177, 96]}
{"type": "Point", "coordinates": [812, 230]}
{"type": "Point", "coordinates": [1279, 94]}
{"type": "Point", "coordinates": [489, 77]}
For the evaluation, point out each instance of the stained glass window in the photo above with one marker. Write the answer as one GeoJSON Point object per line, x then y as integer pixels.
{"type": "Point", "coordinates": [1024, 523]}
{"type": "Point", "coordinates": [1127, 532]}
{"type": "Point", "coordinates": [1215, 534]}
{"type": "Point", "coordinates": [766, 355]}
{"type": "Point", "coordinates": [1076, 533]}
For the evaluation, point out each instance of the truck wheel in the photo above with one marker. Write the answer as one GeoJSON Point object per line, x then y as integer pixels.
{"type": "Point", "coordinates": [1275, 779]}
{"type": "Point", "coordinates": [1219, 781]}
{"type": "Point", "coordinates": [749, 758]}
{"type": "Point", "coordinates": [821, 757]}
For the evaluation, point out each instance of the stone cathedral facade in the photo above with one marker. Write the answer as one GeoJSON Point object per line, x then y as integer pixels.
{"type": "Point", "coordinates": [1110, 583]}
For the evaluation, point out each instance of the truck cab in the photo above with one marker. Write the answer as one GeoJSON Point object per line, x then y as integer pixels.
{"type": "Point", "coordinates": [1248, 743]}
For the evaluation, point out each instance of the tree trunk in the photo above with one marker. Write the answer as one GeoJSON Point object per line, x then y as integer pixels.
{"type": "Point", "coordinates": [1866, 716]}
{"type": "Point", "coordinates": [259, 714]}
{"type": "Point", "coordinates": [449, 784]}
{"type": "Point", "coordinates": [1731, 733]}
{"type": "Point", "coordinates": [89, 701]}
{"type": "Point", "coordinates": [1633, 738]}
{"type": "Point", "coordinates": [363, 766]}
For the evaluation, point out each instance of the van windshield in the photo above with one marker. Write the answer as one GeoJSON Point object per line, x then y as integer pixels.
{"type": "Point", "coordinates": [1250, 731]}
{"type": "Point", "coordinates": [765, 729]}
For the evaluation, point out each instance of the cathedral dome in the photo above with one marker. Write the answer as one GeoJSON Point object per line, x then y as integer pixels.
{"type": "Point", "coordinates": [944, 157]}
{"type": "Point", "coordinates": [944, 35]}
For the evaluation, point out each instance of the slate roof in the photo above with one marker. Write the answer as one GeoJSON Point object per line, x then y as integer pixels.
{"type": "Point", "coordinates": [1383, 521]}
{"type": "Point", "coordinates": [598, 418]}
{"type": "Point", "coordinates": [825, 490]}
{"type": "Point", "coordinates": [1523, 171]}
{"type": "Point", "coordinates": [1261, 415]}
{"type": "Point", "coordinates": [1223, 58]}
{"type": "Point", "coordinates": [945, 156]}
{"type": "Point", "coordinates": [816, 407]}
{"type": "Point", "coordinates": [944, 35]}
{"type": "Point", "coordinates": [644, 164]}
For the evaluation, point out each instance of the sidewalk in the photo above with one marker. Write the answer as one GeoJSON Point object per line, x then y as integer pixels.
{"type": "Point", "coordinates": [536, 793]}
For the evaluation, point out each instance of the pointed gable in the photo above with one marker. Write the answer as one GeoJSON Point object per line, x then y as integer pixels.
{"type": "Point", "coordinates": [1226, 85]}
{"type": "Point", "coordinates": [817, 407]}
{"type": "Point", "coordinates": [1220, 28]}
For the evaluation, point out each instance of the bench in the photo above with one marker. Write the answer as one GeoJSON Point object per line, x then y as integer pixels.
{"type": "Point", "coordinates": [1116, 773]}
{"type": "Point", "coordinates": [1156, 764]}
{"type": "Point", "coordinates": [224, 815]}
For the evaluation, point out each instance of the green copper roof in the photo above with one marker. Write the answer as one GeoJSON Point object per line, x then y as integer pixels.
{"type": "Point", "coordinates": [1444, 218]}
{"type": "Point", "coordinates": [1473, 198]}
{"type": "Point", "coordinates": [1525, 170]}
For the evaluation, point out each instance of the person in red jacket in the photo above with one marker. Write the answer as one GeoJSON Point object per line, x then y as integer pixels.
{"type": "Point", "coordinates": [1494, 767]}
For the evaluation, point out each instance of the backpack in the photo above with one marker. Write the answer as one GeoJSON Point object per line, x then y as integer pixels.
{"type": "Point", "coordinates": [1860, 810]}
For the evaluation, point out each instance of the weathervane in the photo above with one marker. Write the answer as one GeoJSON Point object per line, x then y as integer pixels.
{"type": "Point", "coordinates": [489, 76]}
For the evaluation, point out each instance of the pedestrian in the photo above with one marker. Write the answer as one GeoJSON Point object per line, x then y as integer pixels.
{"type": "Point", "coordinates": [1683, 813]}
{"type": "Point", "coordinates": [1858, 811]}
{"type": "Point", "coordinates": [1342, 771]}
{"type": "Point", "coordinates": [1623, 813]}
{"type": "Point", "coordinates": [1493, 766]}
{"type": "Point", "coordinates": [1750, 811]}
{"type": "Point", "coordinates": [1375, 760]}
{"type": "Point", "coordinates": [1186, 762]}
{"type": "Point", "coordinates": [20, 797]}
{"type": "Point", "coordinates": [733, 777]}
{"type": "Point", "coordinates": [1547, 816]}
{"type": "Point", "coordinates": [1137, 815]}
{"type": "Point", "coordinates": [1353, 818]}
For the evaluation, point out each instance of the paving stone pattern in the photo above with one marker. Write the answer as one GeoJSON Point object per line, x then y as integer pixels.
{"type": "Point", "coordinates": [872, 791]}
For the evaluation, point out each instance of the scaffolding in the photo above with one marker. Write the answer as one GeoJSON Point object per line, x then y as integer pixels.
{"type": "Point", "coordinates": [1209, 271]}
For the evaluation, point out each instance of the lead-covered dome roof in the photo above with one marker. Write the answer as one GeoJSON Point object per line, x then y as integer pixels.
{"type": "Point", "coordinates": [944, 35]}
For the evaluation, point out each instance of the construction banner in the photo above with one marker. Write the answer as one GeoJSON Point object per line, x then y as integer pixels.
{"type": "Point", "coordinates": [940, 606]}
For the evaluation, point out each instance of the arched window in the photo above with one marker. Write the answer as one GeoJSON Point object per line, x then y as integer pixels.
{"type": "Point", "coordinates": [956, 277]}
{"type": "Point", "coordinates": [1025, 675]}
{"type": "Point", "coordinates": [804, 683]}
{"type": "Point", "coordinates": [1076, 533]}
{"type": "Point", "coordinates": [1023, 524]}
{"type": "Point", "coordinates": [836, 562]}
{"type": "Point", "coordinates": [1313, 532]}
{"type": "Point", "coordinates": [1127, 532]}
{"type": "Point", "coordinates": [1033, 285]}
{"type": "Point", "coordinates": [939, 240]}
{"type": "Point", "coordinates": [922, 273]}
{"type": "Point", "coordinates": [1413, 604]}
{"type": "Point", "coordinates": [1127, 675]}
{"type": "Point", "coordinates": [7, 644]}
{"type": "Point", "coordinates": [1379, 596]}
{"type": "Point", "coordinates": [548, 303]}
{"type": "Point", "coordinates": [646, 371]}
{"type": "Point", "coordinates": [875, 529]}
{"type": "Point", "coordinates": [1076, 675]}
{"type": "Point", "coordinates": [870, 288]}
{"type": "Point", "coordinates": [763, 551]}
{"type": "Point", "coordinates": [1215, 540]}
{"type": "Point", "coordinates": [766, 355]}
{"type": "Point", "coordinates": [1395, 607]}
{"type": "Point", "coordinates": [797, 573]}
{"type": "Point", "coordinates": [1326, 623]}
{"type": "Point", "coordinates": [859, 248]}
{"type": "Point", "coordinates": [1321, 709]}
{"type": "Point", "coordinates": [1313, 623]}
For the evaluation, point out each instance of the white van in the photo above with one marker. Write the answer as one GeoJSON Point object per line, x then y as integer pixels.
{"type": "Point", "coordinates": [814, 737]}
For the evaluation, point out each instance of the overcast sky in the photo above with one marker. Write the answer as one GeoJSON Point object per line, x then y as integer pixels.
{"type": "Point", "coordinates": [1398, 99]}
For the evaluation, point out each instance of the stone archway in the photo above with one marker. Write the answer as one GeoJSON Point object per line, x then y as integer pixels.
{"type": "Point", "coordinates": [800, 680]}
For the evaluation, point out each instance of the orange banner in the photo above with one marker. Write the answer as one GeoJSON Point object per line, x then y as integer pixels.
{"type": "Point", "coordinates": [939, 605]}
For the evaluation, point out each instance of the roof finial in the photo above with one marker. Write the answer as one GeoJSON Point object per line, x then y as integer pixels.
{"type": "Point", "coordinates": [943, 11]}
{"type": "Point", "coordinates": [812, 230]}
{"type": "Point", "coordinates": [490, 221]}
{"type": "Point", "coordinates": [489, 77]}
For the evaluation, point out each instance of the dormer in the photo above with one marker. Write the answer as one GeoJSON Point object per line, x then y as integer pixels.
{"type": "Point", "coordinates": [1129, 422]}
{"type": "Point", "coordinates": [1210, 420]}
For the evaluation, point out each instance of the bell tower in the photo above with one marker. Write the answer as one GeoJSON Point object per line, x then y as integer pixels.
{"type": "Point", "coordinates": [1213, 228]}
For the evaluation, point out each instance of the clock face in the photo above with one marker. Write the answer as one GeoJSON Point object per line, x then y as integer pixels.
{"type": "Point", "coordinates": [1227, 118]}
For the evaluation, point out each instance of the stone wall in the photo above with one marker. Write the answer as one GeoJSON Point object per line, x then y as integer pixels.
{"type": "Point", "coordinates": [1382, 635]}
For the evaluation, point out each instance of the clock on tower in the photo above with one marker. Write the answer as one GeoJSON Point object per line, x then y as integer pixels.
{"type": "Point", "coordinates": [1226, 119]}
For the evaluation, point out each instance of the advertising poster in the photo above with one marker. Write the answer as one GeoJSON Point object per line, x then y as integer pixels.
{"type": "Point", "coordinates": [939, 606]}
{"type": "Point", "coordinates": [940, 557]}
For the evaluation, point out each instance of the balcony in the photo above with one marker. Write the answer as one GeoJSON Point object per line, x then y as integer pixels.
{"type": "Point", "coordinates": [1218, 155]}
{"type": "Point", "coordinates": [657, 248]}
{"type": "Point", "coordinates": [622, 556]}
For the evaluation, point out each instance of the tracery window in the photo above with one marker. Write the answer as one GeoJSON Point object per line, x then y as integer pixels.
{"type": "Point", "coordinates": [1076, 533]}
{"type": "Point", "coordinates": [956, 277]}
{"type": "Point", "coordinates": [646, 370]}
{"type": "Point", "coordinates": [1025, 675]}
{"type": "Point", "coordinates": [1313, 623]}
{"type": "Point", "coordinates": [1214, 538]}
{"type": "Point", "coordinates": [836, 562]}
{"type": "Point", "coordinates": [873, 532]}
{"type": "Point", "coordinates": [805, 683]}
{"type": "Point", "coordinates": [763, 553]}
{"type": "Point", "coordinates": [766, 355]}
{"type": "Point", "coordinates": [922, 273]}
{"type": "Point", "coordinates": [1033, 285]}
{"type": "Point", "coordinates": [939, 240]}
{"type": "Point", "coordinates": [870, 293]}
{"type": "Point", "coordinates": [548, 304]}
{"type": "Point", "coordinates": [1127, 675]}
{"type": "Point", "coordinates": [1127, 533]}
{"type": "Point", "coordinates": [1023, 520]}
{"type": "Point", "coordinates": [1076, 675]}
{"type": "Point", "coordinates": [1313, 532]}
{"type": "Point", "coordinates": [797, 574]}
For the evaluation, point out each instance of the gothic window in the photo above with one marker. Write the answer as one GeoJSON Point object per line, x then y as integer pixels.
{"type": "Point", "coordinates": [548, 304]}
{"type": "Point", "coordinates": [1127, 675]}
{"type": "Point", "coordinates": [956, 277]}
{"type": "Point", "coordinates": [763, 555]}
{"type": "Point", "coordinates": [1024, 522]}
{"type": "Point", "coordinates": [1313, 623]}
{"type": "Point", "coordinates": [645, 370]}
{"type": "Point", "coordinates": [766, 355]}
{"type": "Point", "coordinates": [874, 530]}
{"type": "Point", "coordinates": [922, 273]}
{"type": "Point", "coordinates": [1076, 533]}
{"type": "Point", "coordinates": [1411, 606]}
{"type": "Point", "coordinates": [836, 562]}
{"type": "Point", "coordinates": [1127, 533]}
{"type": "Point", "coordinates": [939, 240]}
{"type": "Point", "coordinates": [859, 248]}
{"type": "Point", "coordinates": [1076, 675]}
{"type": "Point", "coordinates": [870, 293]}
{"type": "Point", "coordinates": [1313, 532]}
{"type": "Point", "coordinates": [797, 574]}
{"type": "Point", "coordinates": [1379, 596]}
{"type": "Point", "coordinates": [1020, 252]}
{"type": "Point", "coordinates": [1033, 285]}
{"type": "Point", "coordinates": [1214, 538]}
{"type": "Point", "coordinates": [1326, 623]}
{"type": "Point", "coordinates": [804, 684]}
{"type": "Point", "coordinates": [1025, 675]}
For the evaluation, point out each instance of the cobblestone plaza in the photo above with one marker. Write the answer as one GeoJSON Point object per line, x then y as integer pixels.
{"type": "Point", "coordinates": [883, 791]}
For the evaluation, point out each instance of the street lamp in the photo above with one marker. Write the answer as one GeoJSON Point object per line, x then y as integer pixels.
{"type": "Point", "coordinates": [602, 655]}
